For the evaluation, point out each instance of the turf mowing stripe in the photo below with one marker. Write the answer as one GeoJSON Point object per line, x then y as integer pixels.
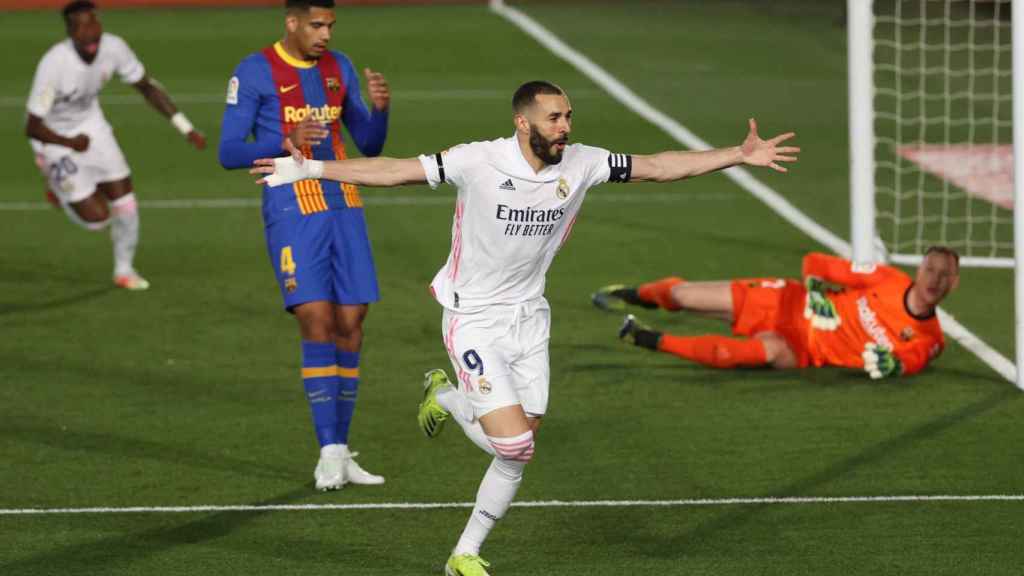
{"type": "Point", "coordinates": [744, 178]}
{"type": "Point", "coordinates": [186, 203]}
{"type": "Point", "coordinates": [398, 95]}
{"type": "Point", "coordinates": [790, 500]}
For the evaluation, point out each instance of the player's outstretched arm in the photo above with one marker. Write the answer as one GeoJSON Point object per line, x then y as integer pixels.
{"type": "Point", "coordinates": [157, 97]}
{"type": "Point", "coordinates": [379, 171]}
{"type": "Point", "coordinates": [678, 165]}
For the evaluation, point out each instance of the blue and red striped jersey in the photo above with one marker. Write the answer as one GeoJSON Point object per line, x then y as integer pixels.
{"type": "Point", "coordinates": [269, 93]}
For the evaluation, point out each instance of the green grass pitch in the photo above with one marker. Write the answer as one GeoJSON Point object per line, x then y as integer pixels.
{"type": "Point", "coordinates": [189, 394]}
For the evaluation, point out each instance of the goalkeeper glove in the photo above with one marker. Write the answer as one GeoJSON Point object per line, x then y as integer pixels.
{"type": "Point", "coordinates": [880, 362]}
{"type": "Point", "coordinates": [818, 308]}
{"type": "Point", "coordinates": [287, 170]}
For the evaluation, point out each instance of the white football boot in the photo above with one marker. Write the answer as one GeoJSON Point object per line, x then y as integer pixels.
{"type": "Point", "coordinates": [354, 473]}
{"type": "Point", "coordinates": [330, 470]}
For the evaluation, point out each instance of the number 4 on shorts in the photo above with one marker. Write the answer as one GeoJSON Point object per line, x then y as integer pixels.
{"type": "Point", "coordinates": [287, 262]}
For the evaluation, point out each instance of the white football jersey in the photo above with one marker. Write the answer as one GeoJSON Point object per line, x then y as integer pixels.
{"type": "Point", "coordinates": [510, 221]}
{"type": "Point", "coordinates": [65, 87]}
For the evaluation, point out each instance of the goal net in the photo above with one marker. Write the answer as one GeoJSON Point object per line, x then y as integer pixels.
{"type": "Point", "coordinates": [942, 116]}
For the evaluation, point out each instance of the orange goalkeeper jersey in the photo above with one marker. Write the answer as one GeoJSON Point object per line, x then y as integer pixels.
{"type": "Point", "coordinates": [872, 308]}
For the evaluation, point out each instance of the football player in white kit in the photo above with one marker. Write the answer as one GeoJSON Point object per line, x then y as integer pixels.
{"type": "Point", "coordinates": [517, 200]}
{"type": "Point", "coordinates": [74, 144]}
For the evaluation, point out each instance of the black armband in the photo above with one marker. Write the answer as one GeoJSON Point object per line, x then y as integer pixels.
{"type": "Point", "coordinates": [439, 158]}
{"type": "Point", "coordinates": [620, 167]}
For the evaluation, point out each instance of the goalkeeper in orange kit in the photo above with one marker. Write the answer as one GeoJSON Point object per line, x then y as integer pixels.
{"type": "Point", "coordinates": [882, 322]}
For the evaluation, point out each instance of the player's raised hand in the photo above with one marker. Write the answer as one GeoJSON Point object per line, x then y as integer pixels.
{"type": "Point", "coordinates": [377, 87]}
{"type": "Point", "coordinates": [294, 151]}
{"type": "Point", "coordinates": [79, 143]}
{"type": "Point", "coordinates": [758, 152]}
{"type": "Point", "coordinates": [197, 139]}
{"type": "Point", "coordinates": [308, 132]}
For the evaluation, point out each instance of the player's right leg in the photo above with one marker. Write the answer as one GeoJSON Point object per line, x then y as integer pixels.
{"type": "Point", "coordinates": [91, 213]}
{"type": "Point", "coordinates": [707, 298]}
{"type": "Point", "coordinates": [709, 350]}
{"type": "Point", "coordinates": [51, 198]}
{"type": "Point", "coordinates": [431, 415]}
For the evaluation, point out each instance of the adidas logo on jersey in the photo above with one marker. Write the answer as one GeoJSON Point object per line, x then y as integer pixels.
{"type": "Point", "coordinates": [507, 185]}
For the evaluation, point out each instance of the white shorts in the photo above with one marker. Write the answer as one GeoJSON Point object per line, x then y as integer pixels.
{"type": "Point", "coordinates": [72, 175]}
{"type": "Point", "coordinates": [500, 355]}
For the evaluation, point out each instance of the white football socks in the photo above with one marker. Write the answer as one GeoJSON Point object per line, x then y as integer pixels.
{"type": "Point", "coordinates": [493, 499]}
{"type": "Point", "coordinates": [461, 410]}
{"type": "Point", "coordinates": [124, 233]}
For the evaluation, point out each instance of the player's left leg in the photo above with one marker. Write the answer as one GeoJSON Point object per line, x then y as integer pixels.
{"type": "Point", "coordinates": [124, 231]}
{"type": "Point", "coordinates": [778, 352]}
{"type": "Point", "coordinates": [511, 433]}
{"type": "Point", "coordinates": [511, 429]}
{"type": "Point", "coordinates": [354, 278]}
{"type": "Point", "coordinates": [348, 344]}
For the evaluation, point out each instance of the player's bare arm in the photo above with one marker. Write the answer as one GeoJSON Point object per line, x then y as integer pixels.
{"type": "Point", "coordinates": [36, 129]}
{"type": "Point", "coordinates": [679, 165]}
{"type": "Point", "coordinates": [157, 96]}
{"type": "Point", "coordinates": [378, 89]}
{"type": "Point", "coordinates": [377, 172]}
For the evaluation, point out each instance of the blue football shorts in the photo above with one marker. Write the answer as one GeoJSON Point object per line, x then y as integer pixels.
{"type": "Point", "coordinates": [323, 256]}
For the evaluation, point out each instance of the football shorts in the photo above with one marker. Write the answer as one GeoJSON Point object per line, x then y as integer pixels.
{"type": "Point", "coordinates": [72, 176]}
{"type": "Point", "coordinates": [771, 305]}
{"type": "Point", "coordinates": [323, 256]}
{"type": "Point", "coordinates": [500, 355]}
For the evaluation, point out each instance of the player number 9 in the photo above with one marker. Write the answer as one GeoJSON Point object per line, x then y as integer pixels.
{"type": "Point", "coordinates": [473, 361]}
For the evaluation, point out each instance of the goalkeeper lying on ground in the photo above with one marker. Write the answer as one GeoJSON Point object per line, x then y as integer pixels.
{"type": "Point", "coordinates": [882, 322]}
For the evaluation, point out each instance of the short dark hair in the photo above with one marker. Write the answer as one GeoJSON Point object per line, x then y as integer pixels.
{"type": "Point", "coordinates": [526, 93]}
{"type": "Point", "coordinates": [946, 250]}
{"type": "Point", "coordinates": [75, 7]}
{"type": "Point", "coordinates": [305, 5]}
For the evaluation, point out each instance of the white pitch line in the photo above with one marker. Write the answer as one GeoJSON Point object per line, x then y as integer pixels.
{"type": "Point", "coordinates": [744, 178]}
{"type": "Point", "coordinates": [756, 501]}
{"type": "Point", "coordinates": [190, 203]}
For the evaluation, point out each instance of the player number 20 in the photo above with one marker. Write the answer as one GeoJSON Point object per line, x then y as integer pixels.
{"type": "Point", "coordinates": [62, 169]}
{"type": "Point", "coordinates": [287, 262]}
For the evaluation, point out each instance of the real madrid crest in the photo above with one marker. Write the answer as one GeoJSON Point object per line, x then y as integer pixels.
{"type": "Point", "coordinates": [907, 334]}
{"type": "Point", "coordinates": [333, 84]}
{"type": "Point", "coordinates": [291, 284]}
{"type": "Point", "coordinates": [562, 192]}
{"type": "Point", "coordinates": [484, 386]}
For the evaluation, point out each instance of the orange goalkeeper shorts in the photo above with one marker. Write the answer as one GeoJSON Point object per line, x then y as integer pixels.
{"type": "Point", "coordinates": [772, 305]}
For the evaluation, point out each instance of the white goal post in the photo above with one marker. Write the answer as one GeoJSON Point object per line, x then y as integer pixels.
{"type": "Point", "coordinates": [935, 131]}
